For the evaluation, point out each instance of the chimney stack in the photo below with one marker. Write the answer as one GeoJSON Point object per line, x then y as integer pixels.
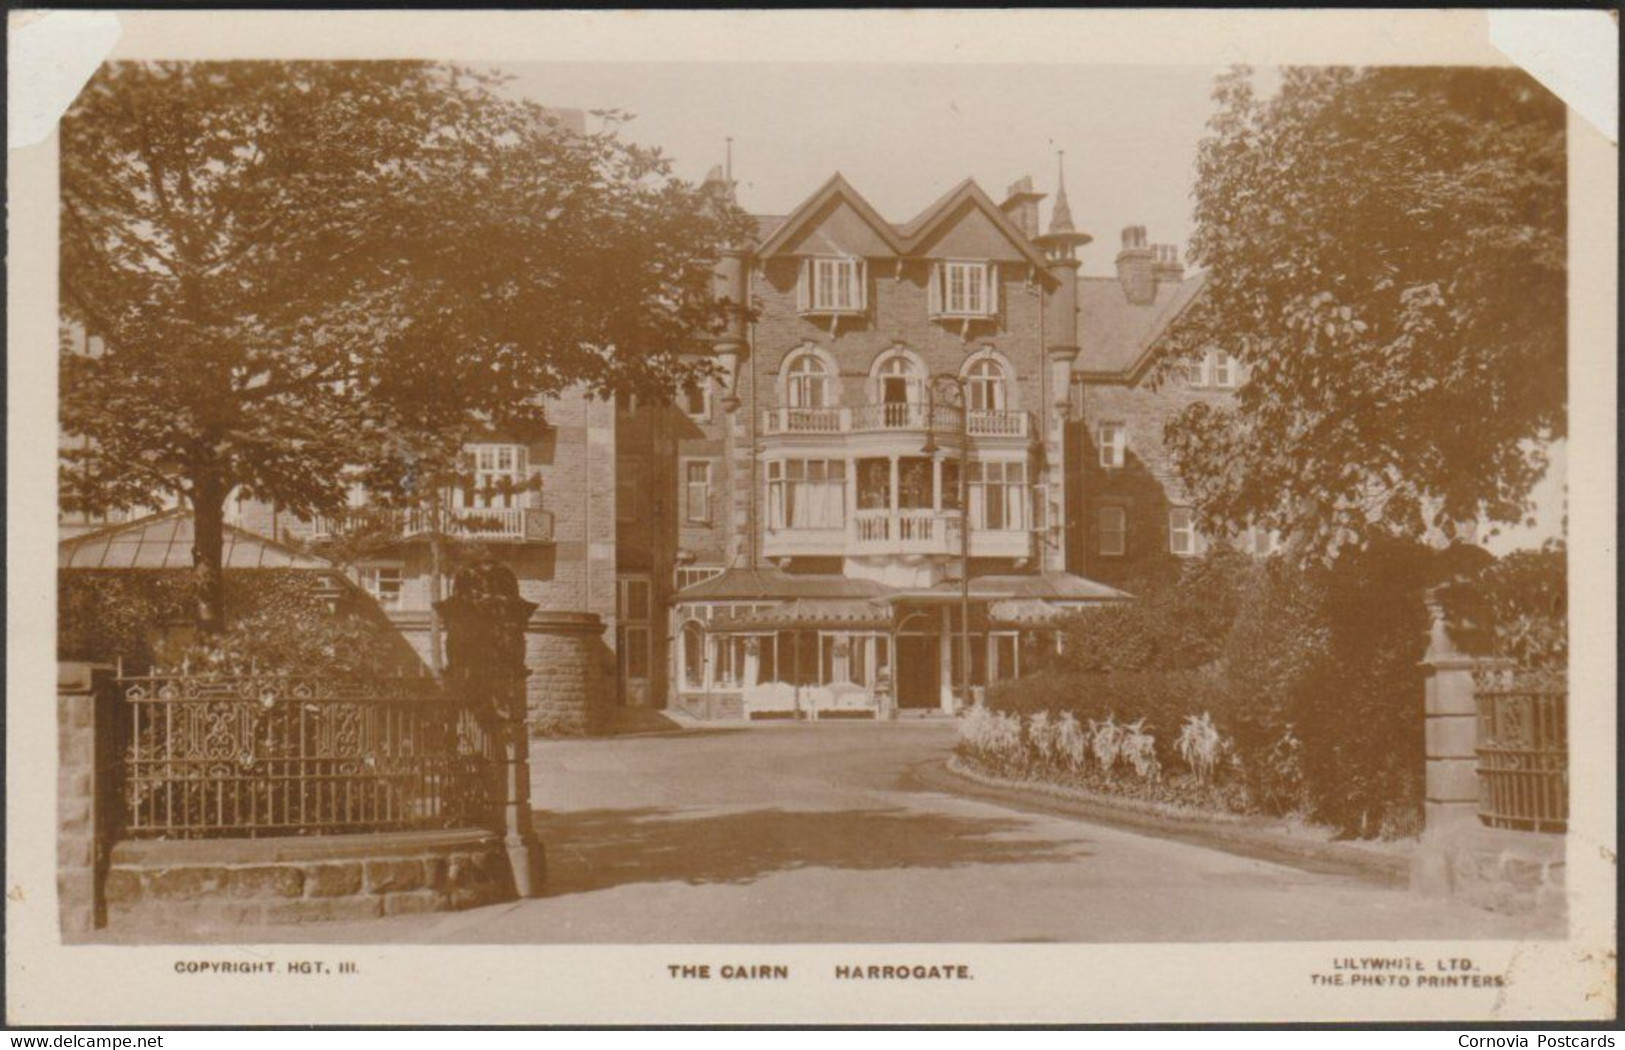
{"type": "Point", "coordinates": [1021, 205]}
{"type": "Point", "coordinates": [1165, 264]}
{"type": "Point", "coordinates": [1135, 270]}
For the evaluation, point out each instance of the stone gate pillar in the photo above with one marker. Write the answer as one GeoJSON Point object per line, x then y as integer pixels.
{"type": "Point", "coordinates": [567, 690]}
{"type": "Point", "coordinates": [485, 664]}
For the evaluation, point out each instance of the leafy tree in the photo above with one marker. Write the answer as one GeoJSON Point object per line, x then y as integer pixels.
{"type": "Point", "coordinates": [1386, 256]}
{"type": "Point", "coordinates": [298, 268]}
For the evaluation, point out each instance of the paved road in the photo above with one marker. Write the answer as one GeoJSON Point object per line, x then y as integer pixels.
{"type": "Point", "coordinates": [791, 834]}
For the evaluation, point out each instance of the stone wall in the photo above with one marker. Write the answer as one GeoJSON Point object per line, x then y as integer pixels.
{"type": "Point", "coordinates": [163, 885]}
{"type": "Point", "coordinates": [567, 691]}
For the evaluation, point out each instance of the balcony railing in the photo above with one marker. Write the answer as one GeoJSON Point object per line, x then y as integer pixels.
{"type": "Point", "coordinates": [898, 416]}
{"type": "Point", "coordinates": [497, 524]}
{"type": "Point", "coordinates": [905, 532]}
{"type": "Point", "coordinates": [1001, 422]}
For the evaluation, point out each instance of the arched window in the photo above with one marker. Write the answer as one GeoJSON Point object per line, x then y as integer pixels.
{"type": "Point", "coordinates": [807, 383]}
{"type": "Point", "coordinates": [693, 656]}
{"type": "Point", "coordinates": [985, 386]}
{"type": "Point", "coordinates": [898, 382]}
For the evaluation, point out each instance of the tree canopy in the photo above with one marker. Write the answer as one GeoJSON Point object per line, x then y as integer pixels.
{"type": "Point", "coordinates": [1386, 255]}
{"type": "Point", "coordinates": [299, 268]}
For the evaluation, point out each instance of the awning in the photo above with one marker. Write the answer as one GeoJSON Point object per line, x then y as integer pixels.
{"type": "Point", "coordinates": [808, 613]}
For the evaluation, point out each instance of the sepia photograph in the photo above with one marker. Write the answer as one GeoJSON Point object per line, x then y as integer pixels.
{"type": "Point", "coordinates": [876, 505]}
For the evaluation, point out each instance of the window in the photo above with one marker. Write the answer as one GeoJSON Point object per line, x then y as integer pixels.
{"type": "Point", "coordinates": [833, 286]}
{"type": "Point", "coordinates": [807, 383]}
{"type": "Point", "coordinates": [914, 483]}
{"type": "Point", "coordinates": [1183, 539]}
{"type": "Point", "coordinates": [984, 386]}
{"type": "Point", "coordinates": [383, 582]}
{"type": "Point", "coordinates": [964, 289]}
{"type": "Point", "coordinates": [1113, 445]}
{"type": "Point", "coordinates": [628, 495]}
{"type": "Point", "coordinates": [998, 495]}
{"type": "Point", "coordinates": [1260, 541]}
{"type": "Point", "coordinates": [632, 599]}
{"type": "Point", "coordinates": [950, 484]}
{"type": "Point", "coordinates": [499, 472]}
{"type": "Point", "coordinates": [899, 383]}
{"type": "Point", "coordinates": [1112, 531]}
{"type": "Point", "coordinates": [874, 484]}
{"type": "Point", "coordinates": [806, 494]}
{"type": "Point", "coordinates": [692, 575]}
{"type": "Point", "coordinates": [637, 652]}
{"type": "Point", "coordinates": [697, 492]}
{"type": "Point", "coordinates": [697, 400]}
{"type": "Point", "coordinates": [1216, 369]}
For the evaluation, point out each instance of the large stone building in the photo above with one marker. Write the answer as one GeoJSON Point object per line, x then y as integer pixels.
{"type": "Point", "coordinates": [922, 420]}
{"type": "Point", "coordinates": [905, 402]}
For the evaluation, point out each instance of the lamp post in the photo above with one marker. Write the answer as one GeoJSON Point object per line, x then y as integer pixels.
{"type": "Point", "coordinates": [958, 383]}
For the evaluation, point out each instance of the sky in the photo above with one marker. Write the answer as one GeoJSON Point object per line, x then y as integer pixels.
{"type": "Point", "coordinates": [905, 134]}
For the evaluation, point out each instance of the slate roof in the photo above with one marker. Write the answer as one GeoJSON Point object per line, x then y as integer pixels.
{"type": "Point", "coordinates": [164, 541]}
{"type": "Point", "coordinates": [1115, 336]}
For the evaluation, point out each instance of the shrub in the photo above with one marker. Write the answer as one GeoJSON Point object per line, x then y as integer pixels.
{"type": "Point", "coordinates": [1517, 607]}
{"type": "Point", "coordinates": [279, 621]}
{"type": "Point", "coordinates": [1177, 622]}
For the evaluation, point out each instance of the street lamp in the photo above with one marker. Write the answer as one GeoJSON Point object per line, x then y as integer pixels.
{"type": "Point", "coordinates": [958, 383]}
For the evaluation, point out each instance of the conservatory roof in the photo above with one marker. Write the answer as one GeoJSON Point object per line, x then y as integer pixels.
{"type": "Point", "coordinates": [164, 541]}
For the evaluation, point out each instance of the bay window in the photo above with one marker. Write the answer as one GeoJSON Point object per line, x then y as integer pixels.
{"type": "Point", "coordinates": [806, 494]}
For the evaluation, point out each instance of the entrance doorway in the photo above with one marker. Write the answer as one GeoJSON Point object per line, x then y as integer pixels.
{"type": "Point", "coordinates": [634, 639]}
{"type": "Point", "coordinates": [919, 671]}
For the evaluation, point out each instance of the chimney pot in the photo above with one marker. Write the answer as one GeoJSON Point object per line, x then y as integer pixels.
{"type": "Point", "coordinates": [1136, 265]}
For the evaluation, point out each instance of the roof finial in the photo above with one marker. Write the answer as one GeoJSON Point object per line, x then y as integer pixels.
{"type": "Point", "coordinates": [1060, 219]}
{"type": "Point", "coordinates": [728, 163]}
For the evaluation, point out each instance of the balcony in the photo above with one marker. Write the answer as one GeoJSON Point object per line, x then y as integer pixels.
{"type": "Point", "coordinates": [905, 532]}
{"type": "Point", "coordinates": [489, 524]}
{"type": "Point", "coordinates": [907, 417]}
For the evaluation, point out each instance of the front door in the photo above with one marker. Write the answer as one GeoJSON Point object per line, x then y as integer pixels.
{"type": "Point", "coordinates": [919, 669]}
{"type": "Point", "coordinates": [634, 639]}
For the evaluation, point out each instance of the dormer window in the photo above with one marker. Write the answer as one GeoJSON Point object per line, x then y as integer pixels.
{"type": "Point", "coordinates": [964, 289]}
{"type": "Point", "coordinates": [833, 285]}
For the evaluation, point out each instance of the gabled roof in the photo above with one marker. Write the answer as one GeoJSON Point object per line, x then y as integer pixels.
{"type": "Point", "coordinates": [164, 541]}
{"type": "Point", "coordinates": [1117, 338]}
{"type": "Point", "coordinates": [904, 239]}
{"type": "Point", "coordinates": [920, 228]}
{"type": "Point", "coordinates": [837, 188]}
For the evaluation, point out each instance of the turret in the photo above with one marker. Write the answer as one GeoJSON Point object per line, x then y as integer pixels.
{"type": "Point", "coordinates": [1060, 246]}
{"type": "Point", "coordinates": [729, 282]}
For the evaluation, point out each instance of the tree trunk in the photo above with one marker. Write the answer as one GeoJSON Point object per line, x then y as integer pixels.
{"type": "Point", "coordinates": [208, 551]}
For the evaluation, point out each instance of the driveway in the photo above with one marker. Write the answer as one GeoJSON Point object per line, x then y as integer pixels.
{"type": "Point", "coordinates": [825, 833]}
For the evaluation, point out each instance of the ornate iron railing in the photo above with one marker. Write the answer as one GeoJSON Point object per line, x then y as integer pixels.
{"type": "Point", "coordinates": [1523, 756]}
{"type": "Point", "coordinates": [262, 755]}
